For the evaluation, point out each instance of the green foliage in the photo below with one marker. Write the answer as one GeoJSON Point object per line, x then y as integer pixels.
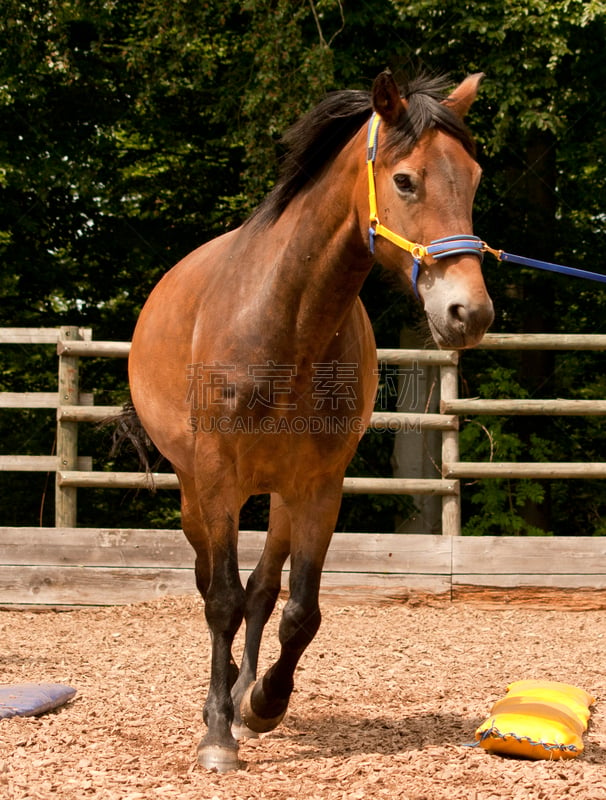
{"type": "Point", "coordinates": [500, 503]}
{"type": "Point", "coordinates": [505, 507]}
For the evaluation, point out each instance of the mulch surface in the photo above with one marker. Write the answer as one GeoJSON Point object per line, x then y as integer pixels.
{"type": "Point", "coordinates": [387, 698]}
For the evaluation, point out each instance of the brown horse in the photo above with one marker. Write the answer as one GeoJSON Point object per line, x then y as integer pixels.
{"type": "Point", "coordinates": [253, 363]}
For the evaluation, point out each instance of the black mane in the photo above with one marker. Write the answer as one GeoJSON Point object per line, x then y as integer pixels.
{"type": "Point", "coordinates": [319, 135]}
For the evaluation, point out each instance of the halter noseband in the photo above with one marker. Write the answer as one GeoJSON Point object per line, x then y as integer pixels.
{"type": "Point", "coordinates": [464, 244]}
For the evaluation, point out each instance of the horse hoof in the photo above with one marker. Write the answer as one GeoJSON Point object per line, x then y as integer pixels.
{"type": "Point", "coordinates": [221, 759]}
{"type": "Point", "coordinates": [252, 720]}
{"type": "Point", "coordinates": [241, 731]}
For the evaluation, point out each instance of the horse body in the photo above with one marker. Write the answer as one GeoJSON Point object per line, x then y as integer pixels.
{"type": "Point", "coordinates": [253, 370]}
{"type": "Point", "coordinates": [292, 303]}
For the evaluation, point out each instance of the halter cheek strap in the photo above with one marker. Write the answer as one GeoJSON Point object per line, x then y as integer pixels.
{"type": "Point", "coordinates": [464, 244]}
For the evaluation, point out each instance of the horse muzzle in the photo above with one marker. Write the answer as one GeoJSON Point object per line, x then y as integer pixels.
{"type": "Point", "coordinates": [460, 323]}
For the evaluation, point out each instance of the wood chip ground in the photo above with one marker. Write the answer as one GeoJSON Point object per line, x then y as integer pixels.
{"type": "Point", "coordinates": [387, 698]}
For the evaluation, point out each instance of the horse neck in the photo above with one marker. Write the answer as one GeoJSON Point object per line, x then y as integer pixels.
{"type": "Point", "coordinates": [323, 259]}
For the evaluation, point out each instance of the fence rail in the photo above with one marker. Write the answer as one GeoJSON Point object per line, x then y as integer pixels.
{"type": "Point", "coordinates": [388, 564]}
{"type": "Point", "coordinates": [74, 407]}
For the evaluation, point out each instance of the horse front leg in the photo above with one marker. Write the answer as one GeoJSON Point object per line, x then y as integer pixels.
{"type": "Point", "coordinates": [262, 591]}
{"type": "Point", "coordinates": [212, 530]}
{"type": "Point", "coordinates": [224, 610]}
{"type": "Point", "coordinates": [266, 701]}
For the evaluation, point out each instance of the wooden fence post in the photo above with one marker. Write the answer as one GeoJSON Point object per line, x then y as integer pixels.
{"type": "Point", "coordinates": [416, 449]}
{"type": "Point", "coordinates": [67, 432]}
{"type": "Point", "coordinates": [451, 504]}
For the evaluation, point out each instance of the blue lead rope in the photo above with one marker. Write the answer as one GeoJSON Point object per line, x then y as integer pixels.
{"type": "Point", "coordinates": [546, 265]}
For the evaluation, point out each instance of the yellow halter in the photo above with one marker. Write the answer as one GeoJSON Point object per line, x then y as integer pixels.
{"type": "Point", "coordinates": [376, 227]}
{"type": "Point", "coordinates": [463, 244]}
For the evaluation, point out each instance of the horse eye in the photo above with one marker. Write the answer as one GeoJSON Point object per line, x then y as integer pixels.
{"type": "Point", "coordinates": [404, 183]}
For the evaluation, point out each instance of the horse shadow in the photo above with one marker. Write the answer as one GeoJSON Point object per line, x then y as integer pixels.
{"type": "Point", "coordinates": [348, 735]}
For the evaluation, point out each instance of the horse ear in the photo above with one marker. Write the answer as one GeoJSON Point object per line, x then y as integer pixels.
{"type": "Point", "coordinates": [386, 99]}
{"type": "Point", "coordinates": [463, 96]}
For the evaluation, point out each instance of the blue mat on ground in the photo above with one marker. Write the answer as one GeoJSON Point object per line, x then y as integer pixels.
{"type": "Point", "coordinates": [31, 699]}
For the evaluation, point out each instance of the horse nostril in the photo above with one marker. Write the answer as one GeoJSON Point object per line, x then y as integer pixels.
{"type": "Point", "coordinates": [458, 312]}
{"type": "Point", "coordinates": [471, 318]}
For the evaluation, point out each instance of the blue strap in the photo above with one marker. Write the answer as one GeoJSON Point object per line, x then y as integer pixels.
{"type": "Point", "coordinates": [414, 278]}
{"type": "Point", "coordinates": [463, 244]}
{"type": "Point", "coordinates": [371, 240]}
{"type": "Point", "coordinates": [546, 265]}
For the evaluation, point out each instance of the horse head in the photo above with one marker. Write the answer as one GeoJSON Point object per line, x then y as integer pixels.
{"type": "Point", "coordinates": [424, 177]}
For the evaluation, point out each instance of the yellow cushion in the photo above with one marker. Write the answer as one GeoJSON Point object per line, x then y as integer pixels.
{"type": "Point", "coordinates": [537, 719]}
{"type": "Point", "coordinates": [524, 687]}
{"type": "Point", "coordinates": [545, 694]}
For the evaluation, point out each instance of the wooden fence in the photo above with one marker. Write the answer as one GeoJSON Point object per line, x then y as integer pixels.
{"type": "Point", "coordinates": [66, 565]}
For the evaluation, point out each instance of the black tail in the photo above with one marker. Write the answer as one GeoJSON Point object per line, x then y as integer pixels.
{"type": "Point", "coordinates": [128, 431]}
